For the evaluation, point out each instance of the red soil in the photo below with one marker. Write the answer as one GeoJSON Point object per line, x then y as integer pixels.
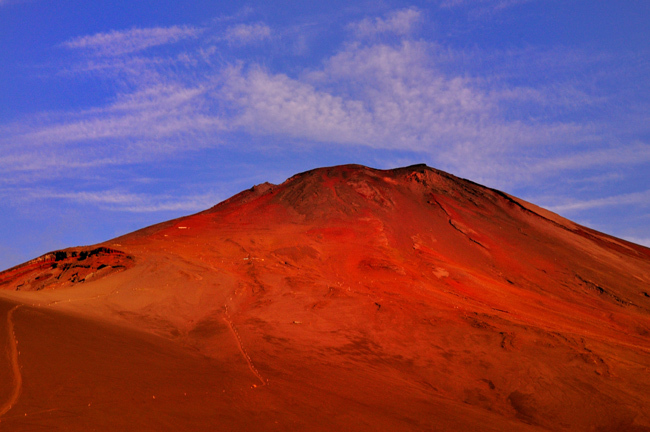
{"type": "Point", "coordinates": [346, 298]}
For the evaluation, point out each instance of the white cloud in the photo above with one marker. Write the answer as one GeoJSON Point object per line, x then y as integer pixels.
{"type": "Point", "coordinates": [410, 95]}
{"type": "Point", "coordinates": [556, 96]}
{"type": "Point", "coordinates": [269, 104]}
{"type": "Point", "coordinates": [243, 34]}
{"type": "Point", "coordinates": [491, 4]}
{"type": "Point", "coordinates": [152, 113]}
{"type": "Point", "coordinates": [134, 127]}
{"type": "Point", "coordinates": [400, 96]}
{"type": "Point", "coordinates": [45, 163]}
{"type": "Point", "coordinates": [400, 22]}
{"type": "Point", "coordinates": [391, 97]}
{"type": "Point", "coordinates": [116, 43]}
{"type": "Point", "coordinates": [635, 198]}
{"type": "Point", "coordinates": [632, 154]}
{"type": "Point", "coordinates": [132, 203]}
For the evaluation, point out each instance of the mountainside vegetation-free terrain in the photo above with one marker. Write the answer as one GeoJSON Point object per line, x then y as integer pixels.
{"type": "Point", "coordinates": [346, 298]}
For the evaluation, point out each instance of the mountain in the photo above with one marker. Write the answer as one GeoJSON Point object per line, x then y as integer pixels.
{"type": "Point", "coordinates": [346, 298]}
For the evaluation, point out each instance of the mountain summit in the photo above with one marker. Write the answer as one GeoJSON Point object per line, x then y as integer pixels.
{"type": "Point", "coordinates": [346, 298]}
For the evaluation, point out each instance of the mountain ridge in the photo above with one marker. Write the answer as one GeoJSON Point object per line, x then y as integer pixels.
{"type": "Point", "coordinates": [402, 299]}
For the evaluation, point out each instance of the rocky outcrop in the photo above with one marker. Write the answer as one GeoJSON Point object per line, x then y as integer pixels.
{"type": "Point", "coordinates": [64, 267]}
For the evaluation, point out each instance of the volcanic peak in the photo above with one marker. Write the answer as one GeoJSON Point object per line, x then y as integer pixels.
{"type": "Point", "coordinates": [344, 298]}
{"type": "Point", "coordinates": [347, 189]}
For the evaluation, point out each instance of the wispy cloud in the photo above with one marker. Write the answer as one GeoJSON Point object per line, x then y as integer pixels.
{"type": "Point", "coordinates": [243, 34]}
{"type": "Point", "coordinates": [491, 4]}
{"type": "Point", "coordinates": [276, 104]}
{"type": "Point", "coordinates": [391, 97]}
{"type": "Point", "coordinates": [390, 92]}
{"type": "Point", "coordinates": [151, 121]}
{"type": "Point", "coordinates": [632, 154]}
{"type": "Point", "coordinates": [400, 95]}
{"type": "Point", "coordinates": [117, 43]}
{"type": "Point", "coordinates": [400, 22]}
{"type": "Point", "coordinates": [118, 201]}
{"type": "Point", "coordinates": [155, 113]}
{"type": "Point", "coordinates": [636, 198]}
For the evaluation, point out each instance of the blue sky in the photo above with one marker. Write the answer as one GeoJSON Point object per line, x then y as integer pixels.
{"type": "Point", "coordinates": [115, 115]}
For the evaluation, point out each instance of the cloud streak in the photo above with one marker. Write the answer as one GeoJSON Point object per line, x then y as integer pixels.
{"type": "Point", "coordinates": [635, 198]}
{"type": "Point", "coordinates": [493, 5]}
{"type": "Point", "coordinates": [400, 22]}
{"type": "Point", "coordinates": [633, 154]}
{"type": "Point", "coordinates": [150, 121]}
{"type": "Point", "coordinates": [113, 200]}
{"type": "Point", "coordinates": [243, 34]}
{"type": "Point", "coordinates": [116, 43]}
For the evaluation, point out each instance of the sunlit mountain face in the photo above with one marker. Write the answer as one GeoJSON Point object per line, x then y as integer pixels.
{"type": "Point", "coordinates": [345, 298]}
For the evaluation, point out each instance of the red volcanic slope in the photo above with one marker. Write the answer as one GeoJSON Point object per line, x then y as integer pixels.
{"type": "Point", "coordinates": [346, 298]}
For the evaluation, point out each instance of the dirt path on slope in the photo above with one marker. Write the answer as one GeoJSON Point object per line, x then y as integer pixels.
{"type": "Point", "coordinates": [15, 367]}
{"type": "Point", "coordinates": [240, 345]}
